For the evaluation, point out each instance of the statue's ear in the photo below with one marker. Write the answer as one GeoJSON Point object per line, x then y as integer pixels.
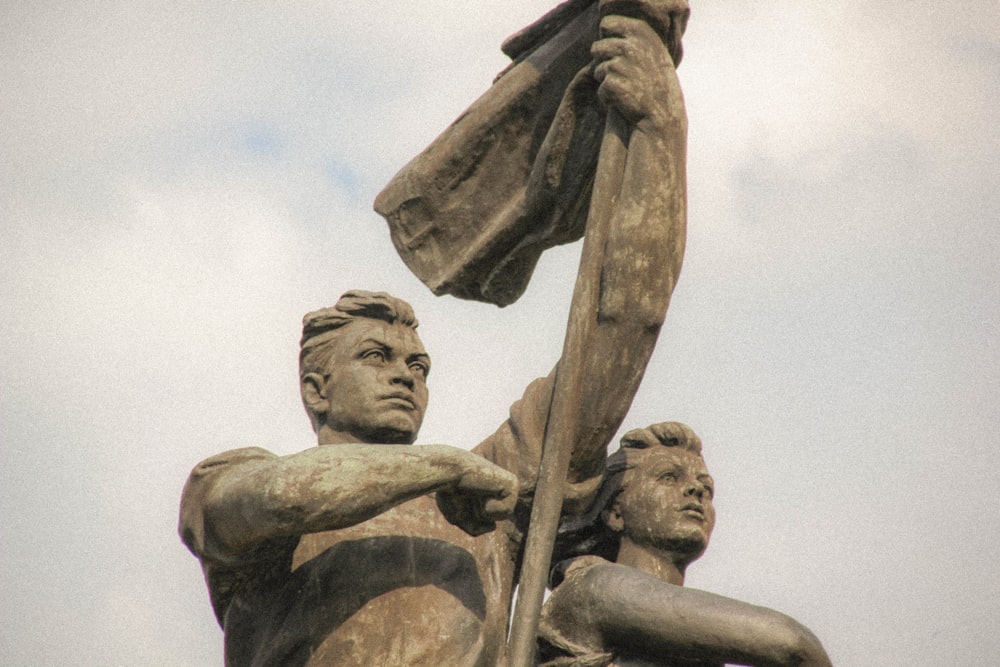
{"type": "Point", "coordinates": [314, 393]}
{"type": "Point", "coordinates": [613, 518]}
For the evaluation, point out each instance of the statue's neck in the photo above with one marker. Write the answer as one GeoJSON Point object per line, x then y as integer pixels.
{"type": "Point", "coordinates": [663, 565]}
{"type": "Point", "coordinates": [330, 436]}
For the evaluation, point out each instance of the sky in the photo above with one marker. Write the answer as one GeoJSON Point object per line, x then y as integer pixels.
{"type": "Point", "coordinates": [182, 181]}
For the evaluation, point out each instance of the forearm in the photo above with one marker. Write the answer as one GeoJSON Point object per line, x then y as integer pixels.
{"type": "Point", "coordinates": [633, 609]}
{"type": "Point", "coordinates": [324, 488]}
{"type": "Point", "coordinates": [649, 228]}
{"type": "Point", "coordinates": [641, 263]}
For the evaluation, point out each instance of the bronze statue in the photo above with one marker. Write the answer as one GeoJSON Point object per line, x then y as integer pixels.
{"type": "Point", "coordinates": [618, 596]}
{"type": "Point", "coordinates": [366, 550]}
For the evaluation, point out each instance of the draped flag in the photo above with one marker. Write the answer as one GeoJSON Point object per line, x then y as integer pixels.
{"type": "Point", "coordinates": [512, 176]}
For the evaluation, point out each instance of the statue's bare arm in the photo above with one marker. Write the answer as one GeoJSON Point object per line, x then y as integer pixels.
{"type": "Point", "coordinates": [645, 246]}
{"type": "Point", "coordinates": [641, 262]}
{"type": "Point", "coordinates": [249, 503]}
{"type": "Point", "coordinates": [633, 614]}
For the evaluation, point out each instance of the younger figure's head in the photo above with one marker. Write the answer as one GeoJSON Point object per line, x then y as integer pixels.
{"type": "Point", "coordinates": [656, 499]}
{"type": "Point", "coordinates": [363, 370]}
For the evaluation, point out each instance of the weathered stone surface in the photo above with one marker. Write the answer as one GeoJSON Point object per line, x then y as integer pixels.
{"type": "Point", "coordinates": [367, 550]}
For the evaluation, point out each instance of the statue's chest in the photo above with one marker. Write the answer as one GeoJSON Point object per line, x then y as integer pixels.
{"type": "Point", "coordinates": [418, 520]}
{"type": "Point", "coordinates": [408, 587]}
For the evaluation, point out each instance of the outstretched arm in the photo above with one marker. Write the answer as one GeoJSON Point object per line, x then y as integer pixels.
{"type": "Point", "coordinates": [239, 500]}
{"type": "Point", "coordinates": [626, 612]}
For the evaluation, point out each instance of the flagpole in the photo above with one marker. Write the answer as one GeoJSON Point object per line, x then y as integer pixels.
{"type": "Point", "coordinates": [561, 427]}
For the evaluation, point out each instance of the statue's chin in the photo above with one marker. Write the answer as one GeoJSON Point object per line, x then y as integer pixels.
{"type": "Point", "coordinates": [686, 549]}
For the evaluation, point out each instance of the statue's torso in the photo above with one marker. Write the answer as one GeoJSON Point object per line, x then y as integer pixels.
{"type": "Point", "coordinates": [403, 588]}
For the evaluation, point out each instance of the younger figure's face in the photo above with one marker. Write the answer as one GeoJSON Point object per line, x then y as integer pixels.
{"type": "Point", "coordinates": [667, 501]}
{"type": "Point", "coordinates": [376, 387]}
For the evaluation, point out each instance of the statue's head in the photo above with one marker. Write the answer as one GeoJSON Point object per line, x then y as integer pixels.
{"type": "Point", "coordinates": [657, 495]}
{"type": "Point", "coordinates": [363, 370]}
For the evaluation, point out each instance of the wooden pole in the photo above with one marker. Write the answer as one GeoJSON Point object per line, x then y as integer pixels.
{"type": "Point", "coordinates": [563, 419]}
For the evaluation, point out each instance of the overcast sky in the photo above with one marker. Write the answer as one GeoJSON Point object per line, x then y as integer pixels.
{"type": "Point", "coordinates": [180, 182]}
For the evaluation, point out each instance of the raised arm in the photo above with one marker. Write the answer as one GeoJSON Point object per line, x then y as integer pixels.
{"type": "Point", "coordinates": [237, 501]}
{"type": "Point", "coordinates": [620, 610]}
{"type": "Point", "coordinates": [645, 244]}
{"type": "Point", "coordinates": [639, 264]}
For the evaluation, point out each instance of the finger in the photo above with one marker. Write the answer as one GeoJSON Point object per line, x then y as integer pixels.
{"type": "Point", "coordinates": [661, 16]}
{"type": "Point", "coordinates": [610, 69]}
{"type": "Point", "coordinates": [495, 509]}
{"type": "Point", "coordinates": [614, 25]}
{"type": "Point", "coordinates": [495, 482]}
{"type": "Point", "coordinates": [464, 515]}
{"type": "Point", "coordinates": [613, 91]}
{"type": "Point", "coordinates": [642, 52]}
{"type": "Point", "coordinates": [611, 59]}
{"type": "Point", "coordinates": [611, 47]}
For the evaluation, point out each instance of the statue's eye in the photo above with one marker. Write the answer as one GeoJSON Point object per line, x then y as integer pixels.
{"type": "Point", "coordinates": [374, 355]}
{"type": "Point", "coordinates": [419, 367]}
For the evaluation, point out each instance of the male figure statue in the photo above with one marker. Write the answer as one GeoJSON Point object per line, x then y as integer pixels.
{"type": "Point", "coordinates": [366, 550]}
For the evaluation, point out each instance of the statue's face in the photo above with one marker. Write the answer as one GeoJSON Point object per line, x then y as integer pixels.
{"type": "Point", "coordinates": [377, 382]}
{"type": "Point", "coordinates": [667, 501]}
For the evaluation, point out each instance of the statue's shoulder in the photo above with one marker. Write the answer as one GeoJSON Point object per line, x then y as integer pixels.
{"type": "Point", "coordinates": [229, 458]}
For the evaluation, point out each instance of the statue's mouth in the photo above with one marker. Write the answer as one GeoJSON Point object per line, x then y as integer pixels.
{"type": "Point", "coordinates": [693, 509]}
{"type": "Point", "coordinates": [401, 399]}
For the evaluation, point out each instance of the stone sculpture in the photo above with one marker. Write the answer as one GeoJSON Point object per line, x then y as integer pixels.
{"type": "Point", "coordinates": [618, 596]}
{"type": "Point", "coordinates": [366, 550]}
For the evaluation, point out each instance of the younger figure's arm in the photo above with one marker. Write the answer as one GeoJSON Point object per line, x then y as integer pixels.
{"type": "Point", "coordinates": [610, 608]}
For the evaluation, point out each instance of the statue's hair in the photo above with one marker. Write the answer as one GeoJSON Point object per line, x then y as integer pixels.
{"type": "Point", "coordinates": [321, 327]}
{"type": "Point", "coordinates": [588, 534]}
